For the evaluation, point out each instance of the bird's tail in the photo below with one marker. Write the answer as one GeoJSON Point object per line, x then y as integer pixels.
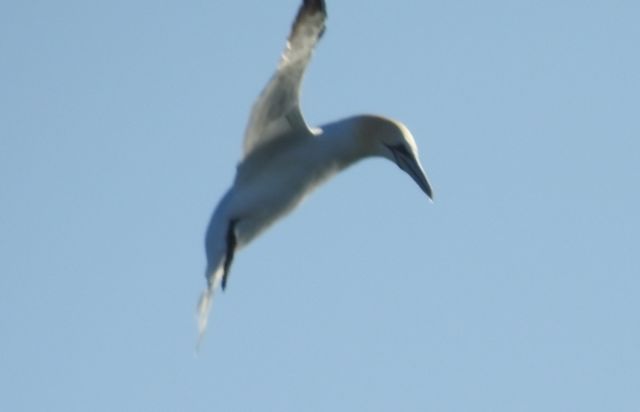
{"type": "Point", "coordinates": [204, 304]}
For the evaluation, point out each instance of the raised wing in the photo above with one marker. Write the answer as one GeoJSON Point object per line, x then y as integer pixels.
{"type": "Point", "coordinates": [277, 111]}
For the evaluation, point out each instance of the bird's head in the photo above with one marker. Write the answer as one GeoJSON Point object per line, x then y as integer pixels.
{"type": "Point", "coordinates": [392, 140]}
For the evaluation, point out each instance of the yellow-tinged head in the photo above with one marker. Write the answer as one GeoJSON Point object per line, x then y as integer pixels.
{"type": "Point", "coordinates": [380, 136]}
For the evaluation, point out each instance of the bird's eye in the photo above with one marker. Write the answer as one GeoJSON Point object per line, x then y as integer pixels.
{"type": "Point", "coordinates": [399, 149]}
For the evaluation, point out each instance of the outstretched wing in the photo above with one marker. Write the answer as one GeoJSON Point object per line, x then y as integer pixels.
{"type": "Point", "coordinates": [277, 111]}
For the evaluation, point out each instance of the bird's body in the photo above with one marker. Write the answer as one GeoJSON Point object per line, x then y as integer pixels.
{"type": "Point", "coordinates": [269, 183]}
{"type": "Point", "coordinates": [284, 159]}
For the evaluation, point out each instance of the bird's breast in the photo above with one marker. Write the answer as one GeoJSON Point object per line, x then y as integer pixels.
{"type": "Point", "coordinates": [270, 188]}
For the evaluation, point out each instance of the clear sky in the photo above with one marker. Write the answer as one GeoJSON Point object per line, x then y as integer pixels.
{"type": "Point", "coordinates": [517, 290]}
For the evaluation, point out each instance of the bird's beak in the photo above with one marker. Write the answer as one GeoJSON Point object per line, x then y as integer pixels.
{"type": "Point", "coordinates": [412, 167]}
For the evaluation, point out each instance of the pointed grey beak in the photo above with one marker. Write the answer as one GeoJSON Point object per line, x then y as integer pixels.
{"type": "Point", "coordinates": [410, 164]}
{"type": "Point", "coordinates": [413, 169]}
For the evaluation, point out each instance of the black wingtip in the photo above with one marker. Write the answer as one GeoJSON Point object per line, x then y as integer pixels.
{"type": "Point", "coordinates": [309, 8]}
{"type": "Point", "coordinates": [231, 248]}
{"type": "Point", "coordinates": [225, 274]}
{"type": "Point", "coordinates": [314, 6]}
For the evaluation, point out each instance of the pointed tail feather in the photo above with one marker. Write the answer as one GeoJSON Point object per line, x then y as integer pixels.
{"type": "Point", "coordinates": [204, 307]}
{"type": "Point", "coordinates": [204, 303]}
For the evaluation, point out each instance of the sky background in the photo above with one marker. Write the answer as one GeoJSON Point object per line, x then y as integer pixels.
{"type": "Point", "coordinates": [517, 290]}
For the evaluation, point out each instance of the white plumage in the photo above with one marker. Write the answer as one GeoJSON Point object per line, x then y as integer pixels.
{"type": "Point", "coordinates": [284, 159]}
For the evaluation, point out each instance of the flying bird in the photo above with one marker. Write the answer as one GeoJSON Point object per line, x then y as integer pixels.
{"type": "Point", "coordinates": [284, 159]}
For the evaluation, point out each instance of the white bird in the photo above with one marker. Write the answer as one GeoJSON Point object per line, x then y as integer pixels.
{"type": "Point", "coordinates": [284, 159]}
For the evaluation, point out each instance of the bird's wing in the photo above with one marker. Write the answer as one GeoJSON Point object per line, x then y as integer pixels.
{"type": "Point", "coordinates": [277, 111]}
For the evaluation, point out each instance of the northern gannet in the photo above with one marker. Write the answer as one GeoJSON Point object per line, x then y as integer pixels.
{"type": "Point", "coordinates": [284, 159]}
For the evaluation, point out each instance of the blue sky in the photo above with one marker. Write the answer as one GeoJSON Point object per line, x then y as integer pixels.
{"type": "Point", "coordinates": [517, 290]}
